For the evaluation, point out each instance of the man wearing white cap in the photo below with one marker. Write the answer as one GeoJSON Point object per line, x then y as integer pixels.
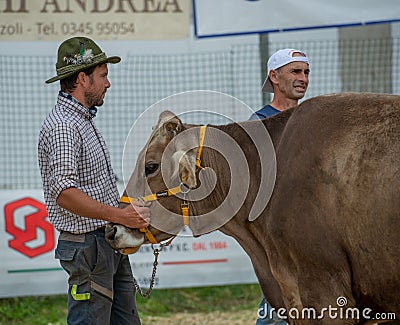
{"type": "Point", "coordinates": [287, 79]}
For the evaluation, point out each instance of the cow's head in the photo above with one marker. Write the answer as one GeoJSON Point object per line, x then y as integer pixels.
{"type": "Point", "coordinates": [163, 164]}
{"type": "Point", "coordinates": [169, 161]}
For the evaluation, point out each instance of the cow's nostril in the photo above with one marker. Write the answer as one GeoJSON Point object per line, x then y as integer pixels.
{"type": "Point", "coordinates": [111, 233]}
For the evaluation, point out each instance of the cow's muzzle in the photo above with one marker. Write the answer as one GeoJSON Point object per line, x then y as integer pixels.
{"type": "Point", "coordinates": [122, 239]}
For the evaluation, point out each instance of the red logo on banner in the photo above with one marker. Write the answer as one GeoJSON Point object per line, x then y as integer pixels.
{"type": "Point", "coordinates": [33, 222]}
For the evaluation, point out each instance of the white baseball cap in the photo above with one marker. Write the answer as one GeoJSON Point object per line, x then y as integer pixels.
{"type": "Point", "coordinates": [279, 59]}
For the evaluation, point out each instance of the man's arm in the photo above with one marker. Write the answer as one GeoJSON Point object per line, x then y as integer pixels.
{"type": "Point", "coordinates": [77, 202]}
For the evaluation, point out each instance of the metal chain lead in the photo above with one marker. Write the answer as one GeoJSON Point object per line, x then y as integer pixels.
{"type": "Point", "coordinates": [146, 294]}
{"type": "Point", "coordinates": [156, 252]}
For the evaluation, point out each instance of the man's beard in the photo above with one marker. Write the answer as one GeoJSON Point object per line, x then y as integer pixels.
{"type": "Point", "coordinates": [94, 99]}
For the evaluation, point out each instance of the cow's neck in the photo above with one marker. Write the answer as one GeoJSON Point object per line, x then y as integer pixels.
{"type": "Point", "coordinates": [252, 236]}
{"type": "Point", "coordinates": [243, 165]}
{"type": "Point", "coordinates": [225, 169]}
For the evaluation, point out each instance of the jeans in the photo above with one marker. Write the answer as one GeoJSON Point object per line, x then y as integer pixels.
{"type": "Point", "coordinates": [265, 314]}
{"type": "Point", "coordinates": [101, 289]}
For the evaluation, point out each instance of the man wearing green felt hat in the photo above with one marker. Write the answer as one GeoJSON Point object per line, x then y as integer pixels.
{"type": "Point", "coordinates": [80, 190]}
{"type": "Point", "coordinates": [77, 54]}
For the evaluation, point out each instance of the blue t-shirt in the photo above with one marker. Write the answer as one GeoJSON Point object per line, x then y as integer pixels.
{"type": "Point", "coordinates": [264, 112]}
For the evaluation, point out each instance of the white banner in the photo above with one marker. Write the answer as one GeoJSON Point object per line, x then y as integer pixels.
{"type": "Point", "coordinates": [212, 259]}
{"type": "Point", "coordinates": [44, 20]}
{"type": "Point", "coordinates": [235, 17]}
{"type": "Point", "coordinates": [28, 266]}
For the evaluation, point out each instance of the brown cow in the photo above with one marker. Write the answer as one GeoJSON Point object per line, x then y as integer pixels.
{"type": "Point", "coordinates": [331, 229]}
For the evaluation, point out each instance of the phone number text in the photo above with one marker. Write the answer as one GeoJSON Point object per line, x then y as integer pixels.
{"type": "Point", "coordinates": [88, 28]}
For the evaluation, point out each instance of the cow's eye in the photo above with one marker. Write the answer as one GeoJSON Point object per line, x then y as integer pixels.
{"type": "Point", "coordinates": [150, 168]}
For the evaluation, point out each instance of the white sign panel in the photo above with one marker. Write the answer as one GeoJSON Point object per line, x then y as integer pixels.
{"type": "Point", "coordinates": [235, 17]}
{"type": "Point", "coordinates": [28, 266]}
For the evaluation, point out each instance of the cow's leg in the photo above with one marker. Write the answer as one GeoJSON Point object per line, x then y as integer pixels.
{"type": "Point", "coordinates": [316, 289]}
{"type": "Point", "coordinates": [288, 284]}
{"type": "Point", "coordinates": [307, 304]}
{"type": "Point", "coordinates": [334, 304]}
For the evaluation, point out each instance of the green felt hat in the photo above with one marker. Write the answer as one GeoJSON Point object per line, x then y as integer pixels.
{"type": "Point", "coordinates": [77, 54]}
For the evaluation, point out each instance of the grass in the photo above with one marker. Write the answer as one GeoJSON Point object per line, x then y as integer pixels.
{"type": "Point", "coordinates": [163, 303]}
{"type": "Point", "coordinates": [33, 310]}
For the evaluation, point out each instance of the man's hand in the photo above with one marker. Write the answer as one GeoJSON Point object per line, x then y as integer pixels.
{"type": "Point", "coordinates": [134, 216]}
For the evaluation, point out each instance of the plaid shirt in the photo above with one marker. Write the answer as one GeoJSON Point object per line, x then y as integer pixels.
{"type": "Point", "coordinates": [72, 153]}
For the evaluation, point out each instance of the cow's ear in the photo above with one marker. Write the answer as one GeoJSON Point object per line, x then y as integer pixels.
{"type": "Point", "coordinates": [169, 124]}
{"type": "Point", "coordinates": [187, 168]}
